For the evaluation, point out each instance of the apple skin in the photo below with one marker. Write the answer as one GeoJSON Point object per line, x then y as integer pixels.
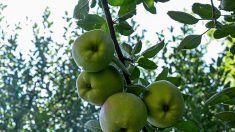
{"type": "Point", "coordinates": [123, 112]}
{"type": "Point", "coordinates": [164, 102]}
{"type": "Point", "coordinates": [93, 50]}
{"type": "Point", "coordinates": [96, 87]}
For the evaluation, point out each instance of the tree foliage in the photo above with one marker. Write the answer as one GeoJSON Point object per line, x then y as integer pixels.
{"type": "Point", "coordinates": [38, 92]}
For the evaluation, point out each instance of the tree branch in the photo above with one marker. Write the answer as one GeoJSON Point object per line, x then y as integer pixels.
{"type": "Point", "coordinates": [113, 36]}
{"type": "Point", "coordinates": [213, 13]}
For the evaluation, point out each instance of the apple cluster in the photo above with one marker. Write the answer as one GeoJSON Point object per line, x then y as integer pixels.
{"type": "Point", "coordinates": [102, 84]}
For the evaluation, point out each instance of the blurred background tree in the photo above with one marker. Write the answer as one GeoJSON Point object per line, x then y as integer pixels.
{"type": "Point", "coordinates": [40, 93]}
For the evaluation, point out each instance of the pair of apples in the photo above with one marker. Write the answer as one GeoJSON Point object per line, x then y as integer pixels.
{"type": "Point", "coordinates": [102, 84]}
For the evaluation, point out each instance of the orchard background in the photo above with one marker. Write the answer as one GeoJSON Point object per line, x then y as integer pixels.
{"type": "Point", "coordinates": [38, 91]}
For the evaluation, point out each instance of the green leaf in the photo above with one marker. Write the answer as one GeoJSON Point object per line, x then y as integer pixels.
{"type": "Point", "coordinates": [205, 11]}
{"type": "Point", "coordinates": [211, 24]}
{"type": "Point", "coordinates": [187, 126]}
{"type": "Point", "coordinates": [93, 125]}
{"type": "Point", "coordinates": [219, 61]}
{"type": "Point", "coordinates": [93, 3]}
{"type": "Point", "coordinates": [224, 30]}
{"type": "Point", "coordinates": [144, 81]}
{"type": "Point", "coordinates": [137, 48]}
{"type": "Point", "coordinates": [232, 35]}
{"type": "Point", "coordinates": [152, 51]}
{"type": "Point", "coordinates": [120, 65]}
{"type": "Point", "coordinates": [182, 17]}
{"type": "Point", "coordinates": [146, 63]}
{"type": "Point", "coordinates": [231, 124]}
{"type": "Point", "coordinates": [229, 18]}
{"type": "Point", "coordinates": [126, 47]}
{"type": "Point", "coordinates": [163, 74]}
{"type": "Point", "coordinates": [105, 27]}
{"type": "Point", "coordinates": [224, 95]}
{"type": "Point", "coordinates": [149, 6]}
{"type": "Point", "coordinates": [229, 82]}
{"type": "Point", "coordinates": [163, 1]}
{"type": "Point", "coordinates": [124, 28]}
{"type": "Point", "coordinates": [226, 116]}
{"type": "Point", "coordinates": [227, 5]}
{"type": "Point", "coordinates": [175, 80]}
{"type": "Point", "coordinates": [228, 28]}
{"type": "Point", "coordinates": [135, 73]}
{"type": "Point", "coordinates": [136, 89]}
{"type": "Point", "coordinates": [190, 42]}
{"type": "Point", "coordinates": [115, 2]}
{"type": "Point", "coordinates": [218, 34]}
{"type": "Point", "coordinates": [120, 2]}
{"type": "Point", "coordinates": [230, 101]}
{"type": "Point", "coordinates": [232, 49]}
{"type": "Point", "coordinates": [91, 21]}
{"type": "Point", "coordinates": [81, 9]}
{"type": "Point", "coordinates": [126, 11]}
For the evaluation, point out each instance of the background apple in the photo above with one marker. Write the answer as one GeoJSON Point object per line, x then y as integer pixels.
{"type": "Point", "coordinates": [164, 102]}
{"type": "Point", "coordinates": [93, 50]}
{"type": "Point", "coordinates": [123, 112]}
{"type": "Point", "coordinates": [96, 87]}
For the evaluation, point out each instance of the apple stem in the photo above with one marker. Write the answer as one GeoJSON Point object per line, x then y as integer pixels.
{"type": "Point", "coordinates": [120, 65]}
{"type": "Point", "coordinates": [113, 36]}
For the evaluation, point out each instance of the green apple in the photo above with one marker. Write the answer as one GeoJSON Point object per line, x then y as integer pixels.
{"type": "Point", "coordinates": [164, 102]}
{"type": "Point", "coordinates": [96, 87]}
{"type": "Point", "coordinates": [123, 112]}
{"type": "Point", "coordinates": [93, 50]}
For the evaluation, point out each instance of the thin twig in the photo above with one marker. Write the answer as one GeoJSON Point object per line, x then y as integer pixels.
{"type": "Point", "coordinates": [129, 59]}
{"type": "Point", "coordinates": [113, 36]}
{"type": "Point", "coordinates": [213, 13]}
{"type": "Point", "coordinates": [205, 31]}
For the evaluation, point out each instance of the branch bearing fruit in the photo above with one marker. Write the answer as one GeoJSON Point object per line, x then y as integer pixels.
{"type": "Point", "coordinates": [123, 112]}
{"type": "Point", "coordinates": [93, 50]}
{"type": "Point", "coordinates": [164, 102]}
{"type": "Point", "coordinates": [96, 87]}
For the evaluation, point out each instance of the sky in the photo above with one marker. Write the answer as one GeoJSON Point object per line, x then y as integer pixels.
{"type": "Point", "coordinates": [17, 10]}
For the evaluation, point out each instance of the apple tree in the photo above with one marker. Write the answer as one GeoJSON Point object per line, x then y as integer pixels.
{"type": "Point", "coordinates": [41, 92]}
{"type": "Point", "coordinates": [139, 67]}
